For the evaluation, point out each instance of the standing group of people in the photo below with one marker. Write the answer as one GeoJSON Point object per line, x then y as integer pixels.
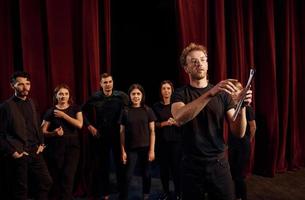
{"type": "Point", "coordinates": [187, 125]}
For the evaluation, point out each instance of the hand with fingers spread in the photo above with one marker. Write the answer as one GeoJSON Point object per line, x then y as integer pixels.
{"type": "Point", "coordinates": [244, 94]}
{"type": "Point", "coordinates": [225, 86]}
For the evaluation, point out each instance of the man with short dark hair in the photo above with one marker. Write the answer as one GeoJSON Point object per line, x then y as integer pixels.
{"type": "Point", "coordinates": [101, 115]}
{"type": "Point", "coordinates": [22, 142]}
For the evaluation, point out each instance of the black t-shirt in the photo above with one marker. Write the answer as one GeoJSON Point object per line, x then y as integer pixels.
{"type": "Point", "coordinates": [203, 136]}
{"type": "Point", "coordinates": [136, 122]}
{"type": "Point", "coordinates": [56, 122]}
{"type": "Point", "coordinates": [166, 133]}
{"type": "Point", "coordinates": [104, 111]}
{"type": "Point", "coordinates": [250, 117]}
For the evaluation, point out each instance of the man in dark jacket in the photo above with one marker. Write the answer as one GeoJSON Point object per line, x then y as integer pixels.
{"type": "Point", "coordinates": [101, 115]}
{"type": "Point", "coordinates": [22, 142]}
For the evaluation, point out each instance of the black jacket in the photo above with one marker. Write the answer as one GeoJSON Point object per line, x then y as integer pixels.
{"type": "Point", "coordinates": [13, 135]}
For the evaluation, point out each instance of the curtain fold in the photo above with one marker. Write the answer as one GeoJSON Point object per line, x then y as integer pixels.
{"type": "Point", "coordinates": [91, 48]}
{"type": "Point", "coordinates": [33, 50]}
{"type": "Point", "coordinates": [6, 49]}
{"type": "Point", "coordinates": [59, 42]}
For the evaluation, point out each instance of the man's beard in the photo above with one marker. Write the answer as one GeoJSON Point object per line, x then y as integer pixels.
{"type": "Point", "coordinates": [199, 76]}
{"type": "Point", "coordinates": [23, 93]}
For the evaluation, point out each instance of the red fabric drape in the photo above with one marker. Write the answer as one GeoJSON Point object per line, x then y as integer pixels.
{"type": "Point", "coordinates": [267, 35]}
{"type": "Point", "coordinates": [59, 42]}
{"type": "Point", "coordinates": [6, 49]}
{"type": "Point", "coordinates": [192, 20]}
{"type": "Point", "coordinates": [33, 50]}
{"type": "Point", "coordinates": [91, 49]}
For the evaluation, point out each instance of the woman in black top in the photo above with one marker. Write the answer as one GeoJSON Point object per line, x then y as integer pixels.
{"type": "Point", "coordinates": [168, 140]}
{"type": "Point", "coordinates": [240, 149]}
{"type": "Point", "coordinates": [60, 126]}
{"type": "Point", "coordinates": [137, 132]}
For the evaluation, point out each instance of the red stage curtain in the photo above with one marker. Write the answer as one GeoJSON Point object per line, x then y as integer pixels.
{"type": "Point", "coordinates": [268, 36]}
{"type": "Point", "coordinates": [56, 41]}
{"type": "Point", "coordinates": [59, 42]}
{"type": "Point", "coordinates": [6, 49]}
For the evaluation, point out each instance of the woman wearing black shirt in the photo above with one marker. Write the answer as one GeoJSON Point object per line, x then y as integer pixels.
{"type": "Point", "coordinates": [169, 141]}
{"type": "Point", "coordinates": [60, 126]}
{"type": "Point", "coordinates": [137, 132]}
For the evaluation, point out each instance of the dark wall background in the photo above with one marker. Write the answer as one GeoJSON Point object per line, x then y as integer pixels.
{"type": "Point", "coordinates": [144, 44]}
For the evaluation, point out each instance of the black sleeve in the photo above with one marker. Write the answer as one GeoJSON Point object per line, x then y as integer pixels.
{"type": "Point", "coordinates": [125, 98]}
{"type": "Point", "coordinates": [228, 101]}
{"type": "Point", "coordinates": [49, 115]}
{"type": "Point", "coordinates": [178, 96]}
{"type": "Point", "coordinates": [151, 115]}
{"type": "Point", "coordinates": [250, 113]}
{"type": "Point", "coordinates": [123, 117]}
{"type": "Point", "coordinates": [155, 108]}
{"type": "Point", "coordinates": [5, 147]}
{"type": "Point", "coordinates": [88, 112]}
{"type": "Point", "coordinates": [76, 109]}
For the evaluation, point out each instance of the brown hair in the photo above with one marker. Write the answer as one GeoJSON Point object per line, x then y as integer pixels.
{"type": "Point", "coordinates": [191, 47]}
{"type": "Point", "coordinates": [105, 75]}
{"type": "Point", "coordinates": [58, 87]}
{"type": "Point", "coordinates": [164, 82]}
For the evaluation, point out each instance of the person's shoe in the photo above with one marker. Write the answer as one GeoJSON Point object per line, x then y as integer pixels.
{"type": "Point", "coordinates": [106, 197]}
{"type": "Point", "coordinates": [146, 197]}
{"type": "Point", "coordinates": [163, 196]}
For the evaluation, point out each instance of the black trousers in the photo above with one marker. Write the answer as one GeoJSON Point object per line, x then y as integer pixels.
{"type": "Point", "coordinates": [239, 155]}
{"type": "Point", "coordinates": [170, 154]}
{"type": "Point", "coordinates": [140, 155]}
{"type": "Point", "coordinates": [4, 177]}
{"type": "Point", "coordinates": [100, 164]}
{"type": "Point", "coordinates": [62, 160]}
{"type": "Point", "coordinates": [33, 169]}
{"type": "Point", "coordinates": [207, 176]}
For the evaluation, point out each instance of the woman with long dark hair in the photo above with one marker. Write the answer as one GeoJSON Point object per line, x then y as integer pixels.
{"type": "Point", "coordinates": [169, 141]}
{"type": "Point", "coordinates": [137, 132]}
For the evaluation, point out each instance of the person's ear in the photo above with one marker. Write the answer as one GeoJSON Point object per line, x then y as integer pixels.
{"type": "Point", "coordinates": [12, 85]}
{"type": "Point", "coordinates": [186, 69]}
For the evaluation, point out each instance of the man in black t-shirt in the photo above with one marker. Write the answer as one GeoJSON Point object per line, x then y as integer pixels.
{"type": "Point", "coordinates": [200, 109]}
{"type": "Point", "coordinates": [22, 142]}
{"type": "Point", "coordinates": [101, 115]}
